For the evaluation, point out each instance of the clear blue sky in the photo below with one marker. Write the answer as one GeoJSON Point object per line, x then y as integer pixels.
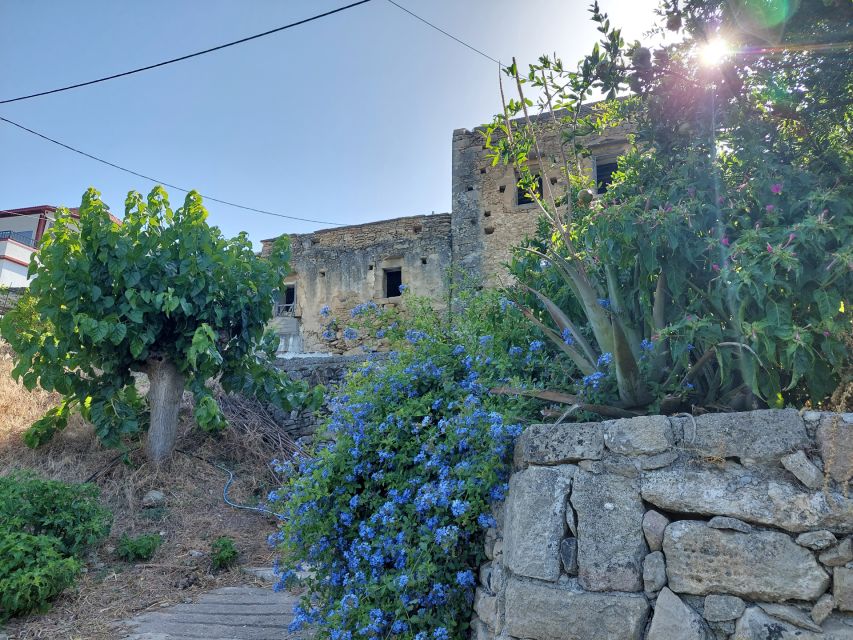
{"type": "Point", "coordinates": [347, 119]}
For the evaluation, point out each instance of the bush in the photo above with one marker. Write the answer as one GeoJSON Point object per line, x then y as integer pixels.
{"type": "Point", "coordinates": [223, 553]}
{"type": "Point", "coordinates": [33, 571]}
{"type": "Point", "coordinates": [391, 515]}
{"type": "Point", "coordinates": [68, 512]}
{"type": "Point", "coordinates": [138, 548]}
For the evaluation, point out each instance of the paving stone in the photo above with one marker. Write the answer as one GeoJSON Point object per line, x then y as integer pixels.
{"type": "Point", "coordinates": [611, 544]}
{"type": "Point", "coordinates": [766, 565]}
{"type": "Point", "coordinates": [654, 524]}
{"type": "Point", "coordinates": [674, 620]}
{"type": "Point", "coordinates": [549, 444]}
{"type": "Point", "coordinates": [817, 540]}
{"type": "Point", "coordinates": [541, 611]}
{"type": "Point", "coordinates": [722, 608]}
{"type": "Point", "coordinates": [803, 469]}
{"type": "Point", "coordinates": [536, 520]}
{"type": "Point", "coordinates": [642, 435]}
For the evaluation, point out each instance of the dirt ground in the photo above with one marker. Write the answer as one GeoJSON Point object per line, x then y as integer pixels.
{"type": "Point", "coordinates": [194, 515]}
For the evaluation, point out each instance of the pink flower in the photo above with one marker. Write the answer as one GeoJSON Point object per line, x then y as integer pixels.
{"type": "Point", "coordinates": [776, 188]}
{"type": "Point", "coordinates": [721, 200]}
{"type": "Point", "coordinates": [769, 248]}
{"type": "Point", "coordinates": [715, 267]}
{"type": "Point", "coordinates": [725, 241]}
{"type": "Point", "coordinates": [826, 334]}
{"type": "Point", "coordinates": [770, 208]}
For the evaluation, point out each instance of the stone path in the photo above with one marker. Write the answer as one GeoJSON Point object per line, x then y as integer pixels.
{"type": "Point", "coordinates": [230, 613]}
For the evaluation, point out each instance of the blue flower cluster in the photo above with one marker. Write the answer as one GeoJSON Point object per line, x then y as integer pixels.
{"type": "Point", "coordinates": [391, 514]}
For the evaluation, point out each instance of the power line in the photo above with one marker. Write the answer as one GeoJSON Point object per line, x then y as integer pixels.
{"type": "Point", "coordinates": [186, 57]}
{"type": "Point", "coordinates": [440, 30]}
{"type": "Point", "coordinates": [162, 182]}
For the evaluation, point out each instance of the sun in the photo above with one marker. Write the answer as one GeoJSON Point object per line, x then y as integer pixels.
{"type": "Point", "coordinates": [713, 52]}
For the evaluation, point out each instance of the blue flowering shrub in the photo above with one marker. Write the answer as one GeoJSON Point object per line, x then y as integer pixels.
{"type": "Point", "coordinates": [391, 514]}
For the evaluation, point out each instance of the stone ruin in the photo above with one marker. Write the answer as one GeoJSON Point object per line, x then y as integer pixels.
{"type": "Point", "coordinates": [724, 526]}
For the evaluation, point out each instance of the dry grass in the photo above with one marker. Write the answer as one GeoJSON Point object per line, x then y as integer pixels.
{"type": "Point", "coordinates": [193, 517]}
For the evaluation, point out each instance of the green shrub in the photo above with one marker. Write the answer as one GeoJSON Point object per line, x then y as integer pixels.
{"type": "Point", "coordinates": [138, 548]}
{"type": "Point", "coordinates": [223, 553]}
{"type": "Point", "coordinates": [33, 571]}
{"type": "Point", "coordinates": [68, 512]}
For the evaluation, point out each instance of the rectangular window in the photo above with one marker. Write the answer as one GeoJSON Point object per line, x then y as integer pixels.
{"type": "Point", "coordinates": [393, 280]}
{"type": "Point", "coordinates": [522, 197]}
{"type": "Point", "coordinates": [604, 174]}
{"type": "Point", "coordinates": [286, 305]}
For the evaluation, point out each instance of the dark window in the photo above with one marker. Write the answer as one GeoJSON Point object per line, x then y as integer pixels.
{"type": "Point", "coordinates": [393, 280]}
{"type": "Point", "coordinates": [604, 175]}
{"type": "Point", "coordinates": [290, 294]}
{"type": "Point", "coordinates": [286, 304]}
{"type": "Point", "coordinates": [521, 195]}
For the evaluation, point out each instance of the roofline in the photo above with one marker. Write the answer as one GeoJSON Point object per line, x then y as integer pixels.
{"type": "Point", "coordinates": [360, 225]}
{"type": "Point", "coordinates": [47, 208]}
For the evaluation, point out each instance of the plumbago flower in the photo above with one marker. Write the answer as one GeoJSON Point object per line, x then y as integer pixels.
{"type": "Point", "coordinates": [390, 514]}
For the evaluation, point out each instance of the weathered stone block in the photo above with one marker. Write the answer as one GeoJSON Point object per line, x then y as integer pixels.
{"type": "Point", "coordinates": [741, 493]}
{"type": "Point", "coordinates": [486, 607]}
{"type": "Point", "coordinates": [822, 608]}
{"type": "Point", "coordinates": [654, 524]}
{"type": "Point", "coordinates": [721, 608]}
{"type": "Point", "coordinates": [761, 436]}
{"type": "Point", "coordinates": [835, 439]}
{"type": "Point", "coordinates": [654, 572]}
{"type": "Point", "coordinates": [759, 566]}
{"type": "Point", "coordinates": [755, 624]}
{"type": "Point", "coordinates": [803, 469]}
{"type": "Point", "coordinates": [611, 545]}
{"type": "Point", "coordinates": [635, 436]}
{"type": "Point", "coordinates": [549, 444]}
{"type": "Point", "coordinates": [790, 614]}
{"type": "Point", "coordinates": [569, 555]}
{"type": "Point", "coordinates": [725, 522]}
{"type": "Point", "coordinates": [541, 611]}
{"type": "Point", "coordinates": [535, 520]}
{"type": "Point", "coordinates": [842, 588]}
{"type": "Point", "coordinates": [817, 540]}
{"type": "Point", "coordinates": [839, 555]}
{"type": "Point", "coordinates": [674, 620]}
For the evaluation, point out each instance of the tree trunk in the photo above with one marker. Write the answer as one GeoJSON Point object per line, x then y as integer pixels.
{"type": "Point", "coordinates": [164, 401]}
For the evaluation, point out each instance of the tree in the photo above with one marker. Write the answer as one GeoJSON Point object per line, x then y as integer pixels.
{"type": "Point", "coordinates": [716, 270]}
{"type": "Point", "coordinates": [162, 293]}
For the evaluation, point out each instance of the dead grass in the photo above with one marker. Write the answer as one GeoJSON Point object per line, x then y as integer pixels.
{"type": "Point", "coordinates": [193, 517]}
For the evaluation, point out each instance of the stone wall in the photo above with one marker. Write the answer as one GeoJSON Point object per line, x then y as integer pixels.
{"type": "Point", "coordinates": [726, 526]}
{"type": "Point", "coordinates": [343, 267]}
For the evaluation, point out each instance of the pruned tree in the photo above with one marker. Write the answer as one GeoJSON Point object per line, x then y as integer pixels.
{"type": "Point", "coordinates": [162, 293]}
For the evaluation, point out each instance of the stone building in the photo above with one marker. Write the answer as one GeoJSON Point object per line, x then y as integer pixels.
{"type": "Point", "coordinates": [344, 266]}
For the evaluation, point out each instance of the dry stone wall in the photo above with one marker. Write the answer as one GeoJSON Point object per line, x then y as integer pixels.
{"type": "Point", "coordinates": [719, 527]}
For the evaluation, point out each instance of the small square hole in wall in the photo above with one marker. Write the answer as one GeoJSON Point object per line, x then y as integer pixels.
{"type": "Point", "coordinates": [489, 230]}
{"type": "Point", "coordinates": [417, 228]}
{"type": "Point", "coordinates": [502, 188]}
{"type": "Point", "coordinates": [370, 267]}
{"type": "Point", "coordinates": [473, 221]}
{"type": "Point", "coordinates": [553, 180]}
{"type": "Point", "coordinates": [423, 260]}
{"type": "Point", "coordinates": [470, 188]}
{"type": "Point", "coordinates": [487, 214]}
{"type": "Point", "coordinates": [482, 171]}
{"type": "Point", "coordinates": [322, 274]}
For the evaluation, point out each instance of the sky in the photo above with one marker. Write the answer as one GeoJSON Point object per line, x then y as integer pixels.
{"type": "Point", "coordinates": [347, 119]}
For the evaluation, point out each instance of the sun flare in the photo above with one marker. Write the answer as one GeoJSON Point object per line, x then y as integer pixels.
{"type": "Point", "coordinates": [713, 52]}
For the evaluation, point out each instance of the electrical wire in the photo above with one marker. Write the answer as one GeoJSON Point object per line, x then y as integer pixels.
{"type": "Point", "coordinates": [442, 31]}
{"type": "Point", "coordinates": [185, 57]}
{"type": "Point", "coordinates": [163, 182]}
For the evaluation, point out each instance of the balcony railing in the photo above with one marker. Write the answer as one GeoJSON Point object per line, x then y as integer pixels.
{"type": "Point", "coordinates": [24, 237]}
{"type": "Point", "coordinates": [285, 310]}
